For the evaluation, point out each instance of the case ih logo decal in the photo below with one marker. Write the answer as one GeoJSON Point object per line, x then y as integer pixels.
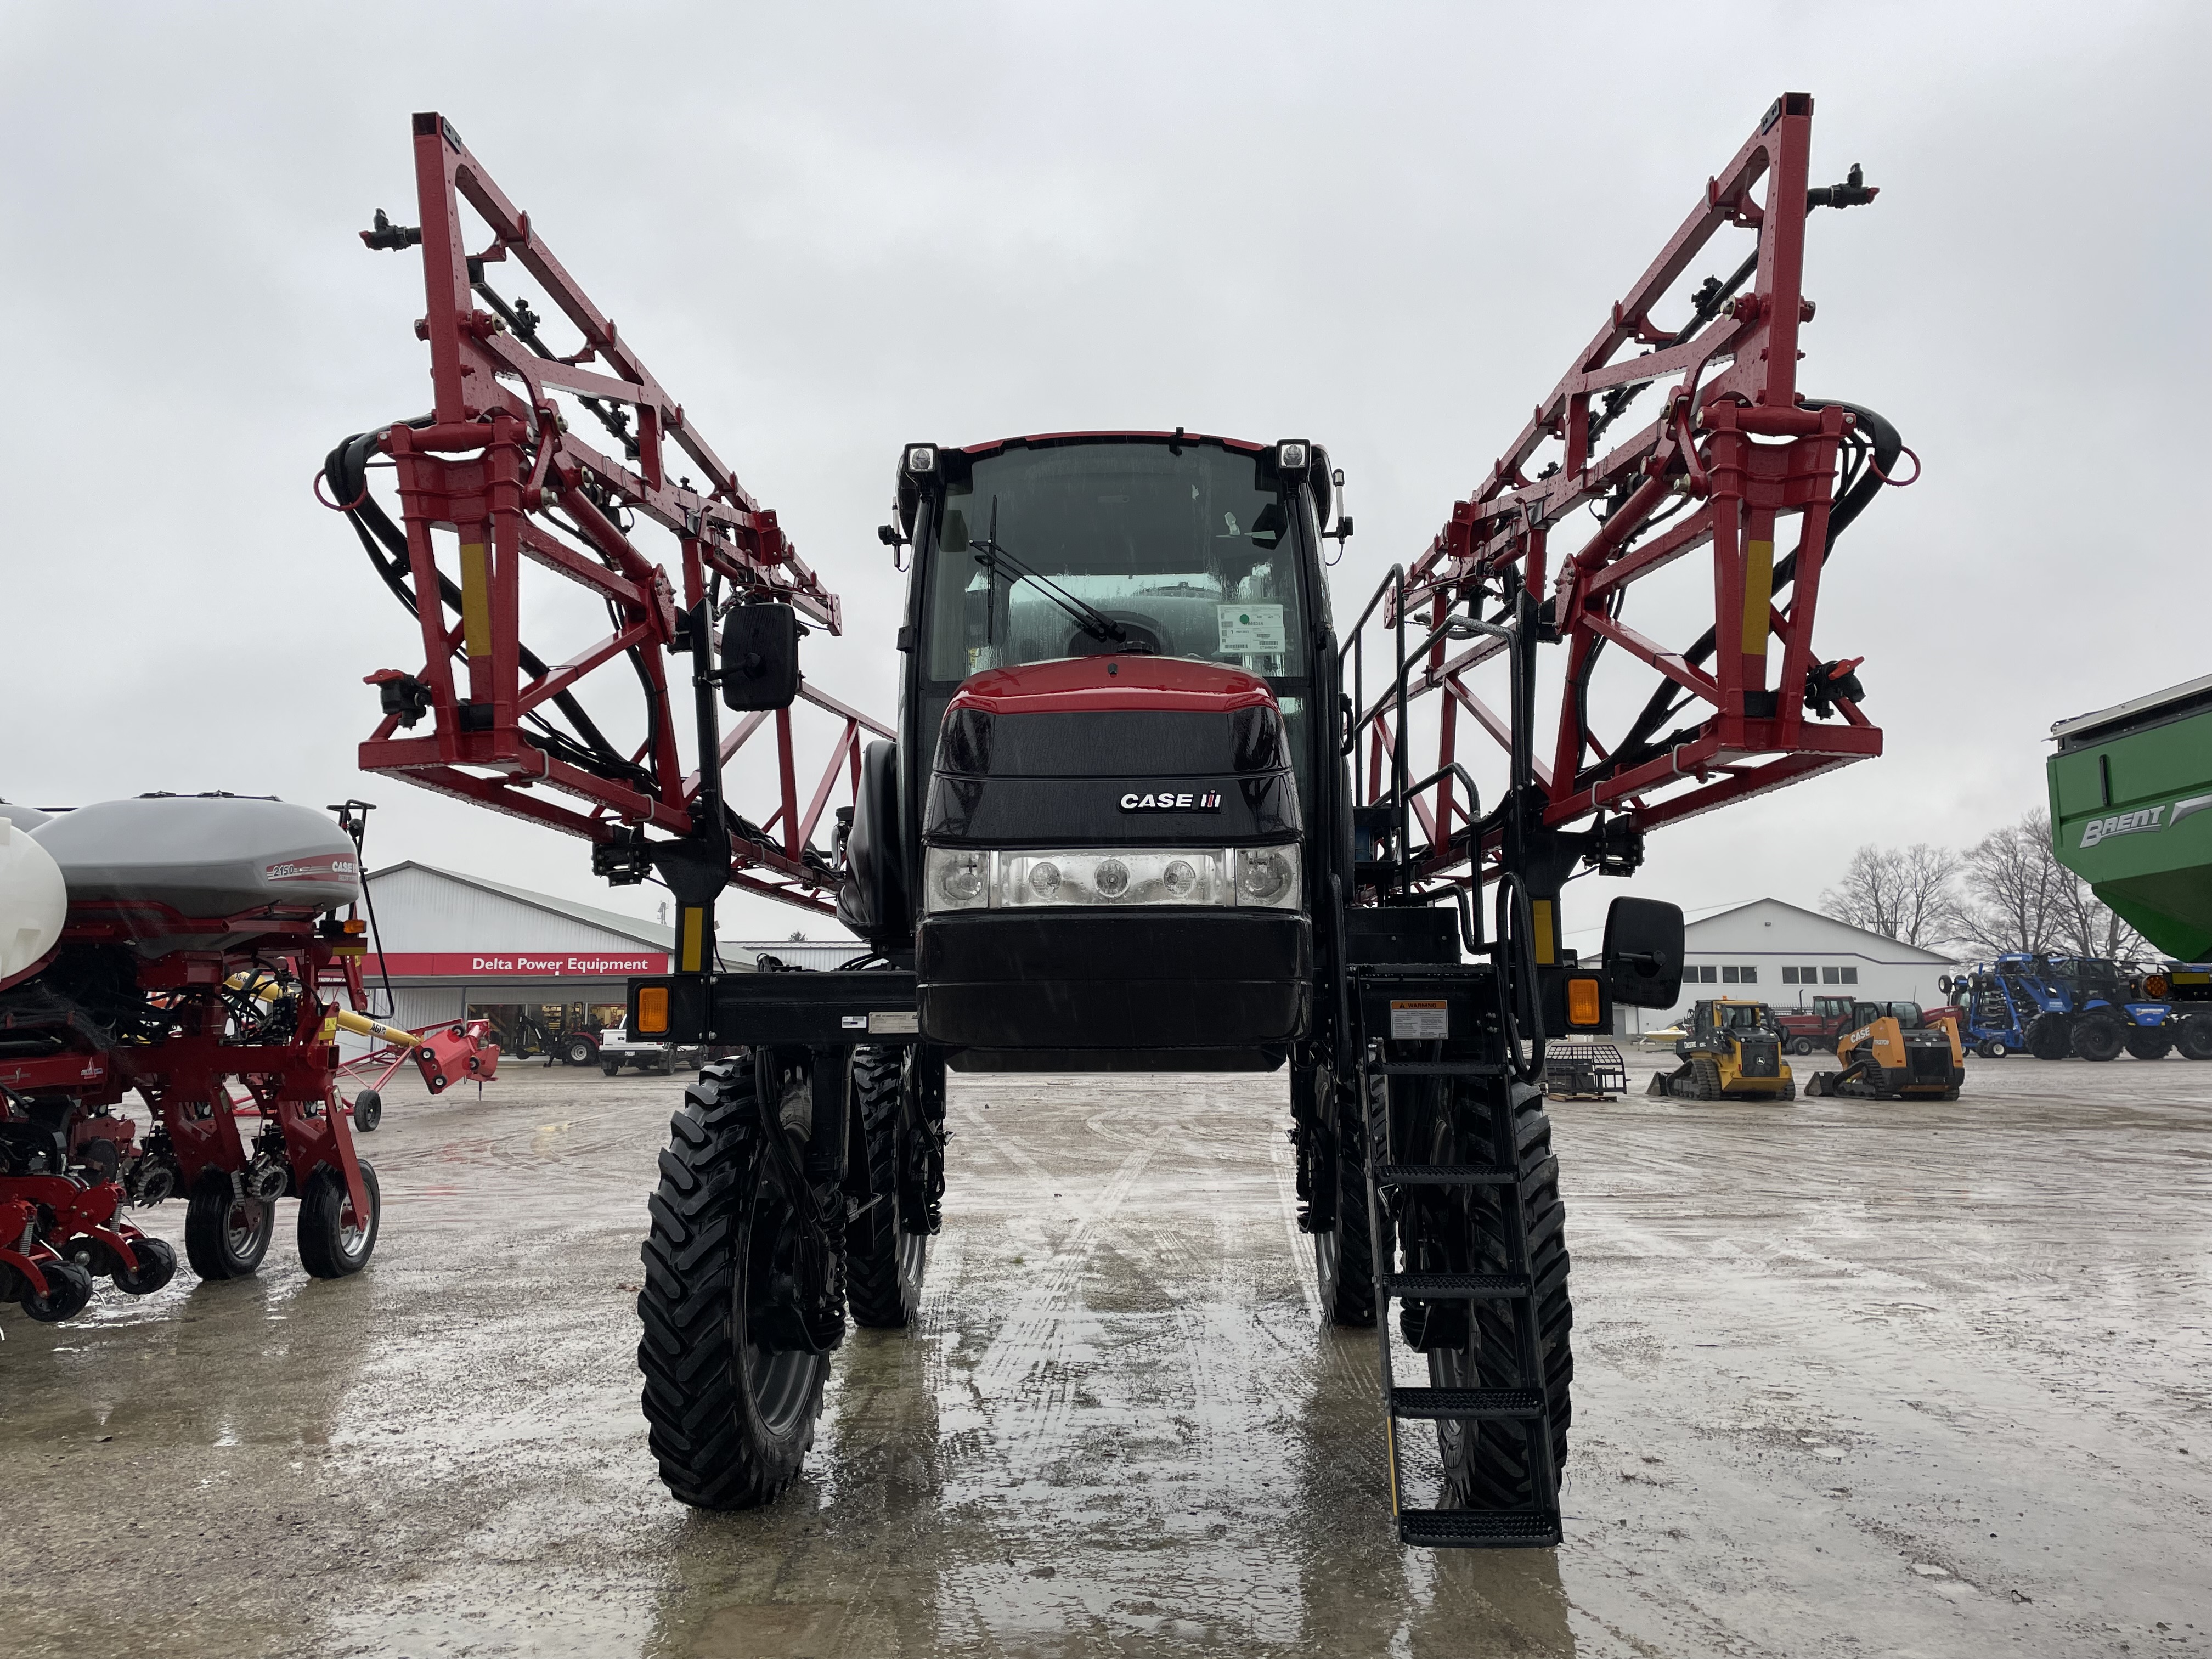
{"type": "Point", "coordinates": [2141, 819]}
{"type": "Point", "coordinates": [327, 866]}
{"type": "Point", "coordinates": [1167, 800]}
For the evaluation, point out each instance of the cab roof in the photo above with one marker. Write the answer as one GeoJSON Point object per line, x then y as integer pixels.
{"type": "Point", "coordinates": [1048, 439]}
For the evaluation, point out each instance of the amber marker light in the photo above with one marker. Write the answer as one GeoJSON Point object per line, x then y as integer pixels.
{"type": "Point", "coordinates": [1582, 1005]}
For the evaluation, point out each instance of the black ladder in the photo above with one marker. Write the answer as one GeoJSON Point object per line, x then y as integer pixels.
{"type": "Point", "coordinates": [1409, 1003]}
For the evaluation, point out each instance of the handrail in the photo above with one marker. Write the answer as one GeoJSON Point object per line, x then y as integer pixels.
{"type": "Point", "coordinates": [1365, 716]}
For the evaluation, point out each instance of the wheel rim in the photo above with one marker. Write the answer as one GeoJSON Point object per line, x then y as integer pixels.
{"type": "Point", "coordinates": [1328, 1256]}
{"type": "Point", "coordinates": [353, 1232]}
{"type": "Point", "coordinates": [913, 1264]}
{"type": "Point", "coordinates": [779, 1384]}
{"type": "Point", "coordinates": [243, 1225]}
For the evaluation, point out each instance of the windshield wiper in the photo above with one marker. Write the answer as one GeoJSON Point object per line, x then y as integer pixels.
{"type": "Point", "coordinates": [1087, 616]}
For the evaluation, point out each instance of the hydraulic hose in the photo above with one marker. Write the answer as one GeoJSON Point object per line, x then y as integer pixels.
{"type": "Point", "coordinates": [1887, 445]}
{"type": "Point", "coordinates": [346, 470]}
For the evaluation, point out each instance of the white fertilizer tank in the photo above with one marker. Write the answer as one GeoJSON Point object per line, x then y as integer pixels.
{"type": "Point", "coordinates": [34, 902]}
{"type": "Point", "coordinates": [205, 856]}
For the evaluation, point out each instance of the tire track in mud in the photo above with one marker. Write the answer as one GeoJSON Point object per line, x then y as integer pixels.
{"type": "Point", "coordinates": [1030, 1338]}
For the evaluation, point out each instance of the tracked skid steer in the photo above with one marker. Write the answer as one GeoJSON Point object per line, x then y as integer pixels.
{"type": "Point", "coordinates": [1896, 1052]}
{"type": "Point", "coordinates": [1732, 1051]}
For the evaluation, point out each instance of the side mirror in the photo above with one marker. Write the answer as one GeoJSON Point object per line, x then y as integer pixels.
{"type": "Point", "coordinates": [760, 657]}
{"type": "Point", "coordinates": [1643, 952]}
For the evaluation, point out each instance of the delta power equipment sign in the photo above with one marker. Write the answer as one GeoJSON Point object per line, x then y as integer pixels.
{"type": "Point", "coordinates": [514, 964]}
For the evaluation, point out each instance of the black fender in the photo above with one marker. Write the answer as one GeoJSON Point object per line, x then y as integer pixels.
{"type": "Point", "coordinates": [873, 902]}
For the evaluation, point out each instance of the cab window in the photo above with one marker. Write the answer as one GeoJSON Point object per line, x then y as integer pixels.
{"type": "Point", "coordinates": [1190, 553]}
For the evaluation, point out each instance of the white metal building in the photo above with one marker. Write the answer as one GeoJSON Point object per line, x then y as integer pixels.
{"type": "Point", "coordinates": [1786, 956]}
{"type": "Point", "coordinates": [459, 946]}
{"type": "Point", "coordinates": [465, 947]}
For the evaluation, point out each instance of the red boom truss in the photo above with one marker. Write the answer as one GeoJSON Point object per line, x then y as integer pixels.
{"type": "Point", "coordinates": [496, 466]}
{"type": "Point", "coordinates": [1733, 452]}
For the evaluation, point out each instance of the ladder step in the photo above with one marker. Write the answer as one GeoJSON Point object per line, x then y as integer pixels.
{"type": "Point", "coordinates": [1439, 1174]}
{"type": "Point", "coordinates": [1417, 973]}
{"type": "Point", "coordinates": [1456, 1287]}
{"type": "Point", "coordinates": [1479, 1528]}
{"type": "Point", "coordinates": [1434, 1068]}
{"type": "Point", "coordinates": [1469, 1405]}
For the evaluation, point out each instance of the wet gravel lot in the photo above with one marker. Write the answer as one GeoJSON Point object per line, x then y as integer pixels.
{"type": "Point", "coordinates": [1853, 1378]}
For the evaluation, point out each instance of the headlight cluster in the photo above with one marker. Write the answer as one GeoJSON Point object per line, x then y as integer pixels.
{"type": "Point", "coordinates": [963, 879]}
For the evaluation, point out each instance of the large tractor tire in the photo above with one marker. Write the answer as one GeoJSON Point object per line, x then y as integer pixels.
{"type": "Point", "coordinates": [2099, 1037]}
{"type": "Point", "coordinates": [225, 1236]}
{"type": "Point", "coordinates": [1464, 1230]}
{"type": "Point", "coordinates": [2194, 1039]}
{"type": "Point", "coordinates": [577, 1049]}
{"type": "Point", "coordinates": [883, 1262]}
{"type": "Point", "coordinates": [2149, 1042]}
{"type": "Point", "coordinates": [2050, 1036]}
{"type": "Point", "coordinates": [1344, 1255]}
{"type": "Point", "coordinates": [731, 1416]}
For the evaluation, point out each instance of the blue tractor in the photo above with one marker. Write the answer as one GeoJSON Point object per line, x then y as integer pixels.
{"type": "Point", "coordinates": [2052, 1006]}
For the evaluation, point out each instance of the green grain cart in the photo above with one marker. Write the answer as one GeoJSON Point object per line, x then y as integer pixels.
{"type": "Point", "coordinates": [2132, 812]}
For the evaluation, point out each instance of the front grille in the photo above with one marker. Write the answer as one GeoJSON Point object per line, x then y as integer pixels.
{"type": "Point", "coordinates": [1926, 1063]}
{"type": "Point", "coordinates": [1112, 743]}
{"type": "Point", "coordinates": [1762, 1056]}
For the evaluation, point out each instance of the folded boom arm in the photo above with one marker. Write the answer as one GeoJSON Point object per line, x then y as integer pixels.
{"type": "Point", "coordinates": [497, 468]}
{"type": "Point", "coordinates": [1732, 455]}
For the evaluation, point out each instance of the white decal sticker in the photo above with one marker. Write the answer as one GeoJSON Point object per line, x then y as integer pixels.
{"type": "Point", "coordinates": [1418, 1022]}
{"type": "Point", "coordinates": [894, 1022]}
{"type": "Point", "coordinates": [324, 867]}
{"type": "Point", "coordinates": [1171, 800]}
{"type": "Point", "coordinates": [2141, 819]}
{"type": "Point", "coordinates": [2122, 823]}
{"type": "Point", "coordinates": [1253, 629]}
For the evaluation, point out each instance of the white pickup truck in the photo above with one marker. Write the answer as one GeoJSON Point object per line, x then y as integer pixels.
{"type": "Point", "coordinates": [616, 1050]}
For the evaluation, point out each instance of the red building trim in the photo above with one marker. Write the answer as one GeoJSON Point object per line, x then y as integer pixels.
{"type": "Point", "coordinates": [515, 964]}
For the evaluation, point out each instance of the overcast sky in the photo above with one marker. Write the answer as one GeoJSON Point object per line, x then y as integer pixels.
{"type": "Point", "coordinates": [830, 230]}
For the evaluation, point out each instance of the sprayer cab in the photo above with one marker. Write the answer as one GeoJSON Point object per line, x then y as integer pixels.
{"type": "Point", "coordinates": [1113, 643]}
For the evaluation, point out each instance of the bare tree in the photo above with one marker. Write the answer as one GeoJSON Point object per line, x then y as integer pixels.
{"type": "Point", "coordinates": [2084, 924]}
{"type": "Point", "coordinates": [2018, 896]}
{"type": "Point", "coordinates": [2012, 887]}
{"type": "Point", "coordinates": [1904, 894]}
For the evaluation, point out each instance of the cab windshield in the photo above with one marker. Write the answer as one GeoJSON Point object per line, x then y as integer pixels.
{"type": "Point", "coordinates": [1187, 554]}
